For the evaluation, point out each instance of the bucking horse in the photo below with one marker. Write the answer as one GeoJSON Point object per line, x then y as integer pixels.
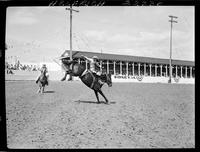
{"type": "Point", "coordinates": [91, 79]}
{"type": "Point", "coordinates": [42, 81]}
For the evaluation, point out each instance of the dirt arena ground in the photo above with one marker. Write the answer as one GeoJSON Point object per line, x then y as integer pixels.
{"type": "Point", "coordinates": [67, 116]}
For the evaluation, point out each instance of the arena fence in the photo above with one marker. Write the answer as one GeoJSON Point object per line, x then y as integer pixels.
{"type": "Point", "coordinates": [57, 76]}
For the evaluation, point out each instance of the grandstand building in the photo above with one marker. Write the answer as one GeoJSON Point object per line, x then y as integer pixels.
{"type": "Point", "coordinates": [123, 66]}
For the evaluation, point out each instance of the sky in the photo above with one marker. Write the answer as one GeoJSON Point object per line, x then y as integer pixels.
{"type": "Point", "coordinates": [36, 34]}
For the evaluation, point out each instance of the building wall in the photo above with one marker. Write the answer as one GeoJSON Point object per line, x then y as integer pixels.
{"type": "Point", "coordinates": [143, 69]}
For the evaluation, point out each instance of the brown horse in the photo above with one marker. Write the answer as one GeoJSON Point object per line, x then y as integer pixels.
{"type": "Point", "coordinates": [91, 79]}
{"type": "Point", "coordinates": [42, 81]}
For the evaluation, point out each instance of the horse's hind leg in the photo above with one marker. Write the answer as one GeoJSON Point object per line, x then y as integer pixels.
{"type": "Point", "coordinates": [97, 96]}
{"type": "Point", "coordinates": [103, 95]}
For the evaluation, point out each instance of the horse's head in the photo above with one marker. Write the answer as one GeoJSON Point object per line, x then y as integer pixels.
{"type": "Point", "coordinates": [107, 79]}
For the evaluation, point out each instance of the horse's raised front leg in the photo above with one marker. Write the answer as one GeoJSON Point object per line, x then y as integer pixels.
{"type": "Point", "coordinates": [38, 90]}
{"type": "Point", "coordinates": [97, 96]}
{"type": "Point", "coordinates": [103, 95]}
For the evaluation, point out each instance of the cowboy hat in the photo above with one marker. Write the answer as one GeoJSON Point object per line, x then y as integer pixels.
{"type": "Point", "coordinates": [95, 57]}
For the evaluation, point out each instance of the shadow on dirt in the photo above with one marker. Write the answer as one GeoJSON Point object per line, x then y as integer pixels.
{"type": "Point", "coordinates": [94, 102]}
{"type": "Point", "coordinates": [49, 91]}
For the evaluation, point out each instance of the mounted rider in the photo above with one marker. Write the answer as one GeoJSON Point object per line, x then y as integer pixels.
{"type": "Point", "coordinates": [66, 62]}
{"type": "Point", "coordinates": [93, 66]}
{"type": "Point", "coordinates": [43, 69]}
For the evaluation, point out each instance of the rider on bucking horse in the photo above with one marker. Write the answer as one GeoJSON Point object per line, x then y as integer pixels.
{"type": "Point", "coordinates": [93, 64]}
{"type": "Point", "coordinates": [42, 70]}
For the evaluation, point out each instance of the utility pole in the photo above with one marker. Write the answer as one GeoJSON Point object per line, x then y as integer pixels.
{"type": "Point", "coordinates": [70, 9]}
{"type": "Point", "coordinates": [170, 59]}
{"type": "Point", "coordinates": [101, 62]}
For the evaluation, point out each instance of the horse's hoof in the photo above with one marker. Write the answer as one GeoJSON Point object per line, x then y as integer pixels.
{"type": "Point", "coordinates": [107, 103]}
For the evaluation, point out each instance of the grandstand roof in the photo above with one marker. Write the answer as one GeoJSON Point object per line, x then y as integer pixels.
{"type": "Point", "coordinates": [116, 57]}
